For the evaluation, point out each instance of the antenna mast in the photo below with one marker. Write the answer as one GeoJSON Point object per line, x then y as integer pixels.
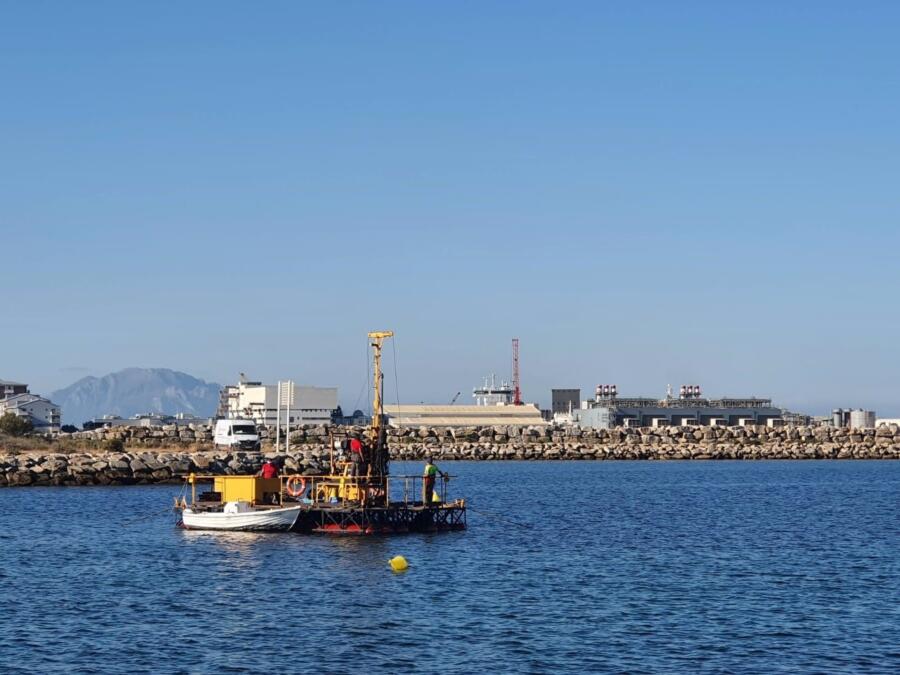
{"type": "Point", "coordinates": [517, 392]}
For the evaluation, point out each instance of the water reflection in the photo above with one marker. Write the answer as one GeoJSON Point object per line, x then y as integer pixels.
{"type": "Point", "coordinates": [239, 550]}
{"type": "Point", "coordinates": [646, 567]}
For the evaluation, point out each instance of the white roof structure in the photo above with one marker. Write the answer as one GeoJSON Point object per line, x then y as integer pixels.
{"type": "Point", "coordinates": [463, 415]}
{"type": "Point", "coordinates": [21, 399]}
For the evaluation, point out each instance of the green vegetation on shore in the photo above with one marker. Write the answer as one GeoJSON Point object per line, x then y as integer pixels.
{"type": "Point", "coordinates": [13, 425]}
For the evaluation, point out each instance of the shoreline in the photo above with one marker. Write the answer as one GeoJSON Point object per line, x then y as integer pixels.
{"type": "Point", "coordinates": [145, 455]}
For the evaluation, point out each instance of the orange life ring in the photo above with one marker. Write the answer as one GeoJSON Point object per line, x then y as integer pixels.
{"type": "Point", "coordinates": [295, 491]}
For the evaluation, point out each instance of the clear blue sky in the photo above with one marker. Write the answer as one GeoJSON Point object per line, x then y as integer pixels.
{"type": "Point", "coordinates": [644, 193]}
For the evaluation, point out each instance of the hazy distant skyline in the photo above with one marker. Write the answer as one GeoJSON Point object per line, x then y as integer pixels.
{"type": "Point", "coordinates": [644, 194]}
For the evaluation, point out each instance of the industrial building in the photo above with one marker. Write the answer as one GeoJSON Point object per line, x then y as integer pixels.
{"type": "Point", "coordinates": [491, 393]}
{"type": "Point", "coordinates": [689, 408]}
{"type": "Point", "coordinates": [463, 415]}
{"type": "Point", "coordinates": [564, 401]}
{"type": "Point", "coordinates": [496, 404]}
{"type": "Point", "coordinates": [262, 402]}
{"type": "Point", "coordinates": [853, 419]}
{"type": "Point", "coordinates": [357, 419]}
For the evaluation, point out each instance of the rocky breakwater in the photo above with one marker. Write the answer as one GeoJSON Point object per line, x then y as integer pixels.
{"type": "Point", "coordinates": [156, 436]}
{"type": "Point", "coordinates": [166, 454]}
{"type": "Point", "coordinates": [133, 468]}
{"type": "Point", "coordinates": [663, 443]}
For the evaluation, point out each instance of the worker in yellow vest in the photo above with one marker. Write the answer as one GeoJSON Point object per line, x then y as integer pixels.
{"type": "Point", "coordinates": [428, 478]}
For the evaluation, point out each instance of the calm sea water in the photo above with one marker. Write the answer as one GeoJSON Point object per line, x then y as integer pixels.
{"type": "Point", "coordinates": [633, 566]}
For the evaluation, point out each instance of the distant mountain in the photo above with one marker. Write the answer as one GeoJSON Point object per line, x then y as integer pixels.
{"type": "Point", "coordinates": [136, 390]}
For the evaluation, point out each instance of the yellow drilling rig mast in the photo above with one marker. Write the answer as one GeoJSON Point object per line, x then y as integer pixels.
{"type": "Point", "coordinates": [380, 456]}
{"type": "Point", "coordinates": [378, 338]}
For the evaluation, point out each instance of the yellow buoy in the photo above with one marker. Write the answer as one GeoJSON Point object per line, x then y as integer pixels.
{"type": "Point", "coordinates": [398, 563]}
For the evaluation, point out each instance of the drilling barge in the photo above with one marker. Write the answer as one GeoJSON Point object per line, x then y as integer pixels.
{"type": "Point", "coordinates": [358, 496]}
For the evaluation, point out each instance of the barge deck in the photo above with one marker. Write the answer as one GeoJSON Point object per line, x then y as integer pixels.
{"type": "Point", "coordinates": [396, 518]}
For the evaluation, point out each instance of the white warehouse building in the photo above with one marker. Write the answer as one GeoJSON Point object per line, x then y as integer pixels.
{"type": "Point", "coordinates": [259, 402]}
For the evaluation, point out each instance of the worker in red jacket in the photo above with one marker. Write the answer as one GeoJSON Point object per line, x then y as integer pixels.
{"type": "Point", "coordinates": [356, 456]}
{"type": "Point", "coordinates": [269, 469]}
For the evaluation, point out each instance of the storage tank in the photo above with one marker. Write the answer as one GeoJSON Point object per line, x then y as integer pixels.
{"type": "Point", "coordinates": [837, 418]}
{"type": "Point", "coordinates": [862, 419]}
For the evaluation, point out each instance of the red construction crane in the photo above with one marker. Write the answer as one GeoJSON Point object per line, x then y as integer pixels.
{"type": "Point", "coordinates": [517, 392]}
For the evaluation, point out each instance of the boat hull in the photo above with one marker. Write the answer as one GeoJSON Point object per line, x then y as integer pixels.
{"type": "Point", "coordinates": [269, 520]}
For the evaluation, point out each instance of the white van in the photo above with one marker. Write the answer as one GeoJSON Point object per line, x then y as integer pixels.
{"type": "Point", "coordinates": [236, 434]}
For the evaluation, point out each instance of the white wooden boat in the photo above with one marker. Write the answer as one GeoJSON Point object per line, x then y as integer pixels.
{"type": "Point", "coordinates": [241, 517]}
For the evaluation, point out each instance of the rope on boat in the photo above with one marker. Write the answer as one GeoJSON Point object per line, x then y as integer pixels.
{"type": "Point", "coordinates": [396, 380]}
{"type": "Point", "coordinates": [500, 518]}
{"type": "Point", "coordinates": [155, 514]}
{"type": "Point", "coordinates": [364, 388]}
